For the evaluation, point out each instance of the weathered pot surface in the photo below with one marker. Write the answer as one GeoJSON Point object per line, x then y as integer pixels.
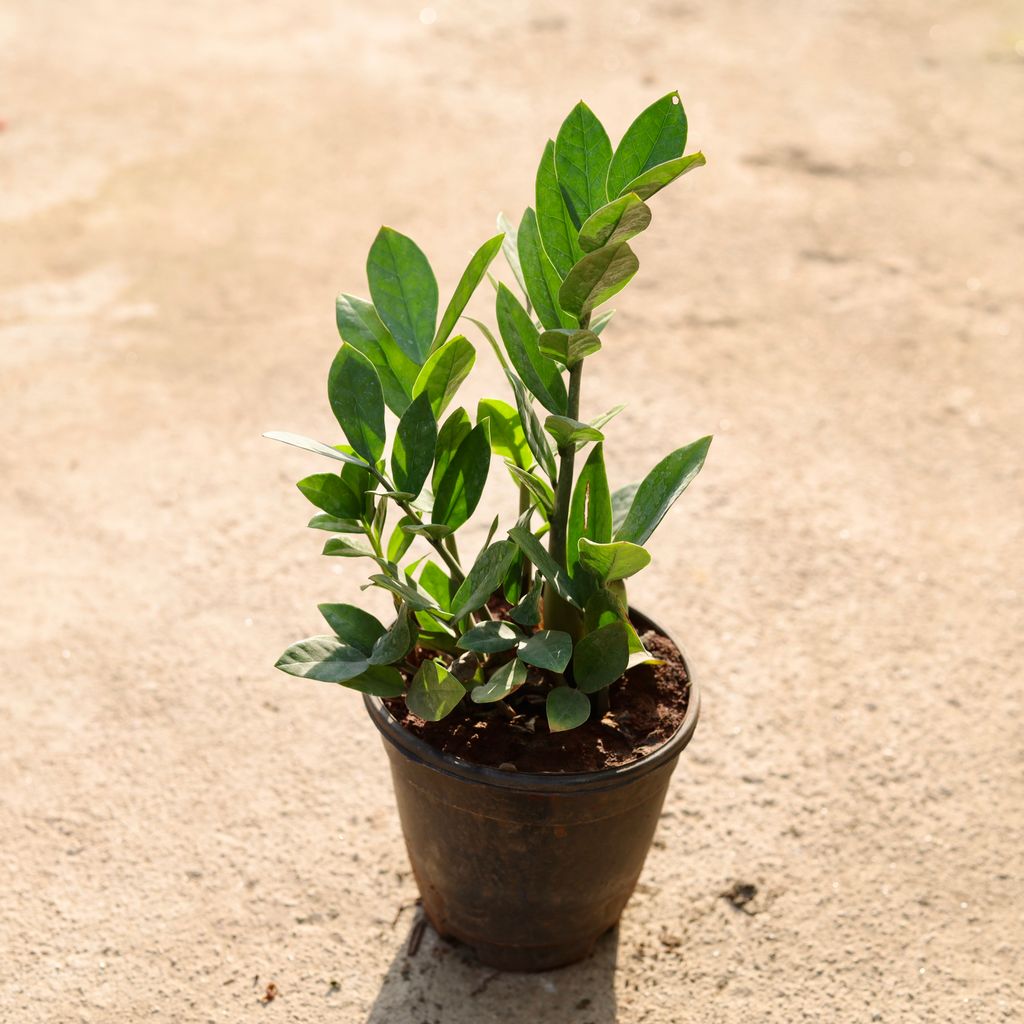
{"type": "Point", "coordinates": [529, 869]}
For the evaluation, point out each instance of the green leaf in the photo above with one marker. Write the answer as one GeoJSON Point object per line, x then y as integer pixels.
{"type": "Point", "coordinates": [491, 340]}
{"type": "Point", "coordinates": [438, 584]}
{"type": "Point", "coordinates": [436, 531]}
{"type": "Point", "coordinates": [622, 499]}
{"type": "Point", "coordinates": [569, 347]}
{"type": "Point", "coordinates": [490, 638]}
{"type": "Point", "coordinates": [453, 432]}
{"type": "Point", "coordinates": [654, 179]}
{"type": "Point", "coordinates": [657, 135]}
{"type": "Point", "coordinates": [459, 490]}
{"type": "Point", "coordinates": [546, 565]}
{"type": "Point", "coordinates": [660, 488]}
{"type": "Point", "coordinates": [566, 709]}
{"type": "Point", "coordinates": [434, 692]}
{"type": "Point", "coordinates": [484, 578]}
{"type": "Point", "coordinates": [583, 154]}
{"type": "Point", "coordinates": [409, 592]}
{"type": "Point", "coordinates": [510, 247]}
{"type": "Point", "coordinates": [522, 342]}
{"type": "Point", "coordinates": [606, 417]}
{"type": "Point", "coordinates": [542, 280]}
{"type": "Point", "coordinates": [619, 221]}
{"type": "Point", "coordinates": [353, 625]}
{"type": "Point", "coordinates": [444, 371]}
{"type": "Point", "coordinates": [400, 541]}
{"type": "Point", "coordinates": [535, 436]}
{"type": "Point", "coordinates": [557, 230]}
{"type": "Point", "coordinates": [506, 430]}
{"type": "Point", "coordinates": [397, 642]}
{"type": "Point", "coordinates": [597, 277]}
{"type": "Point", "coordinates": [471, 277]}
{"type": "Point", "coordinates": [344, 548]}
{"type": "Point", "coordinates": [527, 612]}
{"type": "Point", "coordinates": [413, 454]}
{"type": "Point", "coordinates": [590, 513]}
{"type": "Point", "coordinates": [334, 525]}
{"type": "Point", "coordinates": [404, 291]}
{"type": "Point", "coordinates": [540, 489]}
{"type": "Point", "coordinates": [506, 680]}
{"type": "Point", "coordinates": [359, 325]}
{"type": "Point", "coordinates": [324, 658]}
{"type": "Point", "coordinates": [600, 322]}
{"type": "Point", "coordinates": [317, 447]}
{"type": "Point", "coordinates": [568, 432]}
{"type": "Point", "coordinates": [378, 681]}
{"type": "Point", "coordinates": [357, 402]}
{"type": "Point", "coordinates": [329, 492]}
{"type": "Point", "coordinates": [615, 561]}
{"type": "Point", "coordinates": [601, 657]}
{"type": "Point", "coordinates": [550, 649]}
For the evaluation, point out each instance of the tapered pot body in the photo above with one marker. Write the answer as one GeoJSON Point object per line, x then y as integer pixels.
{"type": "Point", "coordinates": [529, 869]}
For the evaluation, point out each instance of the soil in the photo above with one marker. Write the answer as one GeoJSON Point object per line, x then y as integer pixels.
{"type": "Point", "coordinates": [646, 707]}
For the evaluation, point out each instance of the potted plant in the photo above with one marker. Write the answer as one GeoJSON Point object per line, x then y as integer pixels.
{"type": "Point", "coordinates": [532, 718]}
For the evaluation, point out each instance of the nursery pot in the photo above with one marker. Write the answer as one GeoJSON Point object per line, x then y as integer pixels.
{"type": "Point", "coordinates": [529, 869]}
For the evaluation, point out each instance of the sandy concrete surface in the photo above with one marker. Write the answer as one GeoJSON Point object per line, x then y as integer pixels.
{"type": "Point", "coordinates": [837, 297]}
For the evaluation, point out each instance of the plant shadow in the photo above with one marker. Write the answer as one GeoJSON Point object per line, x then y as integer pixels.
{"type": "Point", "coordinates": [443, 981]}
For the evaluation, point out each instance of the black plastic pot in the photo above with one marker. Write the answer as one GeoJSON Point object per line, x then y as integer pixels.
{"type": "Point", "coordinates": [530, 869]}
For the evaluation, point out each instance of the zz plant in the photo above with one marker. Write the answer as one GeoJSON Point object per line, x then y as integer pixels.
{"type": "Point", "coordinates": [561, 566]}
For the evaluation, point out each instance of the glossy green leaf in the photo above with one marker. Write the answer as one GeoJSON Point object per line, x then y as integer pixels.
{"type": "Point", "coordinates": [329, 492]}
{"type": "Point", "coordinates": [434, 692]}
{"type": "Point", "coordinates": [606, 417]}
{"type": "Point", "coordinates": [566, 709]}
{"type": "Point", "coordinates": [409, 592]}
{"type": "Point", "coordinates": [622, 499]}
{"type": "Point", "coordinates": [569, 432]}
{"type": "Point", "coordinates": [522, 342]}
{"type": "Point", "coordinates": [361, 327]}
{"type": "Point", "coordinates": [601, 657]}
{"type": "Point", "coordinates": [413, 454]}
{"type": "Point", "coordinates": [550, 649]}
{"type": "Point", "coordinates": [654, 179]}
{"type": "Point", "coordinates": [506, 430]}
{"type": "Point", "coordinates": [453, 432]}
{"type": "Point", "coordinates": [658, 134]}
{"type": "Point", "coordinates": [458, 492]}
{"type": "Point", "coordinates": [569, 346]}
{"type": "Point", "coordinates": [357, 401]}
{"type": "Point", "coordinates": [378, 681]}
{"type": "Point", "coordinates": [546, 565]}
{"type": "Point", "coordinates": [537, 487]}
{"type": "Point", "coordinates": [334, 525]}
{"type": "Point", "coordinates": [397, 642]}
{"type": "Point", "coordinates": [436, 531]}
{"type": "Point", "coordinates": [324, 658]}
{"type": "Point", "coordinates": [438, 584]}
{"type": "Point", "coordinates": [597, 277]}
{"type": "Point", "coordinates": [400, 541]}
{"type": "Point", "coordinates": [471, 277]}
{"type": "Point", "coordinates": [484, 578]}
{"type": "Point", "coordinates": [590, 513]}
{"type": "Point", "coordinates": [505, 681]}
{"type": "Point", "coordinates": [404, 291]}
{"type": "Point", "coordinates": [542, 280]}
{"type": "Point", "coordinates": [443, 372]}
{"type": "Point", "coordinates": [615, 561]}
{"type": "Point", "coordinates": [317, 447]}
{"type": "Point", "coordinates": [342, 547]}
{"type": "Point", "coordinates": [557, 230]}
{"type": "Point", "coordinates": [600, 322]}
{"type": "Point", "coordinates": [618, 221]}
{"type": "Point", "coordinates": [490, 638]}
{"type": "Point", "coordinates": [536, 439]}
{"type": "Point", "coordinates": [354, 626]}
{"type": "Point", "coordinates": [583, 153]}
{"type": "Point", "coordinates": [660, 488]}
{"type": "Point", "coordinates": [510, 247]}
{"type": "Point", "coordinates": [527, 611]}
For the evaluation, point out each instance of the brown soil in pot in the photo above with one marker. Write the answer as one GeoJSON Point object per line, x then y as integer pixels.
{"type": "Point", "coordinates": [646, 707]}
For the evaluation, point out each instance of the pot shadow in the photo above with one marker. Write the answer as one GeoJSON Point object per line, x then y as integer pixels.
{"type": "Point", "coordinates": [443, 981]}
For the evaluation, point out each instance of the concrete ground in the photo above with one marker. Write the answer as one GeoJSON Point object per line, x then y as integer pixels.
{"type": "Point", "coordinates": [837, 297]}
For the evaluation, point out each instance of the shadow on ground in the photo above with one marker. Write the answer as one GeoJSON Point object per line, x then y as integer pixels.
{"type": "Point", "coordinates": [444, 982]}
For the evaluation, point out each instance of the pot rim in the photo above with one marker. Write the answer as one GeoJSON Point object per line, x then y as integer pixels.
{"type": "Point", "coordinates": [419, 750]}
